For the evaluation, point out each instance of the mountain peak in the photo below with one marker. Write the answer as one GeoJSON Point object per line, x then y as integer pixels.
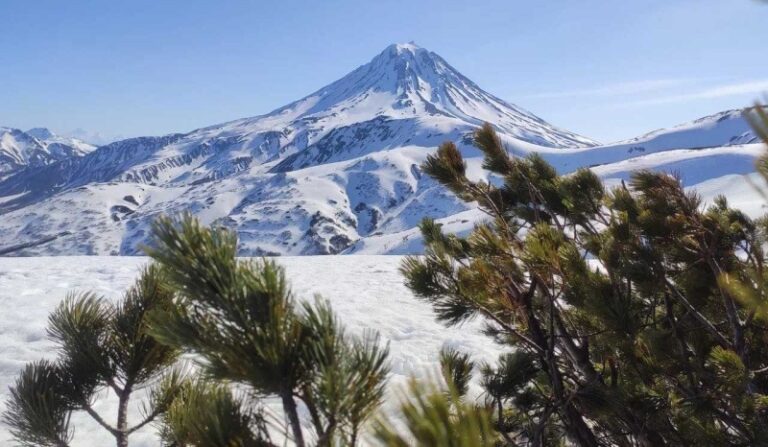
{"type": "Point", "coordinates": [400, 48]}
{"type": "Point", "coordinates": [41, 133]}
{"type": "Point", "coordinates": [407, 62]}
{"type": "Point", "coordinates": [411, 84]}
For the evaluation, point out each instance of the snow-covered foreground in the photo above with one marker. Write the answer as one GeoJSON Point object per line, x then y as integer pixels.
{"type": "Point", "coordinates": [367, 292]}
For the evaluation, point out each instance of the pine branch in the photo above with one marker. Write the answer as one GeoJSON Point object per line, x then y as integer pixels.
{"type": "Point", "coordinates": [147, 420]}
{"type": "Point", "coordinates": [720, 338]}
{"type": "Point", "coordinates": [96, 417]}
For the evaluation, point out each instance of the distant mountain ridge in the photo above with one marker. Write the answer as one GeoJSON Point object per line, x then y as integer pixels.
{"type": "Point", "coordinates": [720, 129]}
{"type": "Point", "coordinates": [36, 147]}
{"type": "Point", "coordinates": [333, 172]}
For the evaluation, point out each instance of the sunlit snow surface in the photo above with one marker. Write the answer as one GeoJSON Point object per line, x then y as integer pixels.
{"type": "Point", "coordinates": [367, 292]}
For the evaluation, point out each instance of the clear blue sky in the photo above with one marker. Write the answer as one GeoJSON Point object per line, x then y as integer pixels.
{"type": "Point", "coordinates": [607, 69]}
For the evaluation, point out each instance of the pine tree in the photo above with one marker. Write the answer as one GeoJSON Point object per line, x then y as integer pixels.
{"type": "Point", "coordinates": [241, 320]}
{"type": "Point", "coordinates": [618, 307]}
{"type": "Point", "coordinates": [207, 413]}
{"type": "Point", "coordinates": [101, 345]}
{"type": "Point", "coordinates": [431, 416]}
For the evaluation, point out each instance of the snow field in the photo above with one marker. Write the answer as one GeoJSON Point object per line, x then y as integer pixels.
{"type": "Point", "coordinates": [367, 293]}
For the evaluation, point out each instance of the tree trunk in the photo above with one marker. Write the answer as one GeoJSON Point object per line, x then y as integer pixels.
{"type": "Point", "coordinates": [326, 437]}
{"type": "Point", "coordinates": [122, 417]}
{"type": "Point", "coordinates": [289, 406]}
{"type": "Point", "coordinates": [122, 439]}
{"type": "Point", "coordinates": [577, 429]}
{"type": "Point", "coordinates": [575, 425]}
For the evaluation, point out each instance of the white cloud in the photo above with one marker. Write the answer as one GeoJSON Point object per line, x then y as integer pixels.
{"type": "Point", "coordinates": [617, 89]}
{"type": "Point", "coordinates": [95, 138]}
{"type": "Point", "coordinates": [754, 87]}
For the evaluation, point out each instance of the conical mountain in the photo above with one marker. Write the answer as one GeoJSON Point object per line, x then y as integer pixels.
{"type": "Point", "coordinates": [406, 95]}
{"type": "Point", "coordinates": [406, 81]}
{"type": "Point", "coordinates": [312, 177]}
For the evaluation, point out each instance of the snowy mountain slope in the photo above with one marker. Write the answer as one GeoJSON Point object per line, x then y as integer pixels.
{"type": "Point", "coordinates": [718, 130]}
{"type": "Point", "coordinates": [334, 172]}
{"type": "Point", "coordinates": [318, 210]}
{"type": "Point", "coordinates": [79, 147]}
{"type": "Point", "coordinates": [409, 241]}
{"type": "Point", "coordinates": [727, 170]}
{"type": "Point", "coordinates": [405, 96]}
{"type": "Point", "coordinates": [369, 205]}
{"type": "Point", "coordinates": [34, 183]}
{"type": "Point", "coordinates": [721, 129]}
{"type": "Point", "coordinates": [36, 147]}
{"type": "Point", "coordinates": [692, 165]}
{"type": "Point", "coordinates": [310, 177]}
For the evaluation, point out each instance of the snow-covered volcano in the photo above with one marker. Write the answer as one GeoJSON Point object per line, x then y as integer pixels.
{"type": "Point", "coordinates": [406, 95]}
{"type": "Point", "coordinates": [320, 175]}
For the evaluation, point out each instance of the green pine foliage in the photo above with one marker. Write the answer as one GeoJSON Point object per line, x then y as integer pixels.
{"type": "Point", "coordinates": [241, 321]}
{"type": "Point", "coordinates": [250, 337]}
{"type": "Point", "coordinates": [101, 346]}
{"type": "Point", "coordinates": [39, 409]}
{"type": "Point", "coordinates": [431, 417]}
{"type": "Point", "coordinates": [457, 370]}
{"type": "Point", "coordinates": [207, 413]}
{"type": "Point", "coordinates": [633, 316]}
